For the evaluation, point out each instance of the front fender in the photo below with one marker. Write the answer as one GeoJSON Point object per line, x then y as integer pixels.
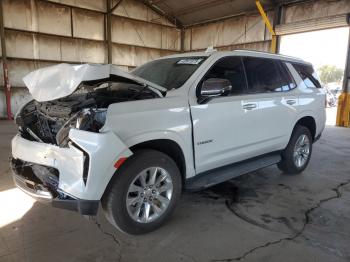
{"type": "Point", "coordinates": [103, 150]}
{"type": "Point", "coordinates": [169, 135]}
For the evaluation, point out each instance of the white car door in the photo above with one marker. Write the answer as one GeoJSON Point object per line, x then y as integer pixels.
{"type": "Point", "coordinates": [223, 126]}
{"type": "Point", "coordinates": [240, 125]}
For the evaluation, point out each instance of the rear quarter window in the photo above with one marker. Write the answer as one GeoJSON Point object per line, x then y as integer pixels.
{"type": "Point", "coordinates": [308, 75]}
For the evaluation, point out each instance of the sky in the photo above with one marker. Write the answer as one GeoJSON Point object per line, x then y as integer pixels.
{"type": "Point", "coordinates": [324, 47]}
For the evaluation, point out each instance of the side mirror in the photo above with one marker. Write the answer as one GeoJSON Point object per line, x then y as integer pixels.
{"type": "Point", "coordinates": [215, 87]}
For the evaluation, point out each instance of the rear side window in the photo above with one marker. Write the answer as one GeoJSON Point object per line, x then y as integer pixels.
{"type": "Point", "coordinates": [287, 74]}
{"type": "Point", "coordinates": [265, 75]}
{"type": "Point", "coordinates": [308, 74]}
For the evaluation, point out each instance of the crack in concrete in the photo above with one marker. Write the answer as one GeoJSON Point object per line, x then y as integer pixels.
{"type": "Point", "coordinates": [111, 235]}
{"type": "Point", "coordinates": [307, 221]}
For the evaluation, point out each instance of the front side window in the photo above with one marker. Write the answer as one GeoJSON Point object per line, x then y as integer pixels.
{"type": "Point", "coordinates": [308, 75]}
{"type": "Point", "coordinates": [265, 75]}
{"type": "Point", "coordinates": [230, 68]}
{"type": "Point", "coordinates": [170, 73]}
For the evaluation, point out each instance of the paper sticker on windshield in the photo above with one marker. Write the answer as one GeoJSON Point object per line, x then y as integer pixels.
{"type": "Point", "coordinates": [189, 61]}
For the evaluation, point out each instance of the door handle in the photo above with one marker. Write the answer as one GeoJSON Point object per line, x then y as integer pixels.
{"type": "Point", "coordinates": [249, 106]}
{"type": "Point", "coordinates": [291, 102]}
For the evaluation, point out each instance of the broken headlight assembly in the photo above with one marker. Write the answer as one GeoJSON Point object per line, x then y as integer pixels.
{"type": "Point", "coordinates": [88, 119]}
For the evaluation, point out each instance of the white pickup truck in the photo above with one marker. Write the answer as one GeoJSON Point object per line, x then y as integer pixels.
{"type": "Point", "coordinates": [133, 141]}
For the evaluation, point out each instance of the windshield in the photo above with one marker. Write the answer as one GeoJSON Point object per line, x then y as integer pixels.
{"type": "Point", "coordinates": [169, 73]}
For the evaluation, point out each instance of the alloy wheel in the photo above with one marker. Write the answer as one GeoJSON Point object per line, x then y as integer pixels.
{"type": "Point", "coordinates": [301, 152]}
{"type": "Point", "coordinates": [149, 194]}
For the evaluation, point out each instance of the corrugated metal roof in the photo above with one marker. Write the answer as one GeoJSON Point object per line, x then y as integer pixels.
{"type": "Point", "coordinates": [190, 12]}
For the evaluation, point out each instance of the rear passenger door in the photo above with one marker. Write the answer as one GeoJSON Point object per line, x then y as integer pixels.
{"type": "Point", "coordinates": [272, 88]}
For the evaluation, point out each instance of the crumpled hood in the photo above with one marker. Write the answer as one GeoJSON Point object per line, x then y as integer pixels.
{"type": "Point", "coordinates": [58, 81]}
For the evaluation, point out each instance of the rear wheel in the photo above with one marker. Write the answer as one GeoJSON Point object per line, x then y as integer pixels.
{"type": "Point", "coordinates": [144, 192]}
{"type": "Point", "coordinates": [296, 156]}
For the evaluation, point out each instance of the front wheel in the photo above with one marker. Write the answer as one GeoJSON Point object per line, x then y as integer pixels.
{"type": "Point", "coordinates": [144, 192]}
{"type": "Point", "coordinates": [296, 155]}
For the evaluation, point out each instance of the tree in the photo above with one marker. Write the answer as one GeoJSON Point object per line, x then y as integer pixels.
{"type": "Point", "coordinates": [330, 73]}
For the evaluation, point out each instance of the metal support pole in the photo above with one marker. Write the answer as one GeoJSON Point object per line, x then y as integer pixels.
{"type": "Point", "coordinates": [4, 65]}
{"type": "Point", "coordinates": [110, 10]}
{"type": "Point", "coordinates": [277, 20]}
{"type": "Point", "coordinates": [109, 31]}
{"type": "Point", "coordinates": [343, 112]}
{"type": "Point", "coordinates": [268, 25]}
{"type": "Point", "coordinates": [182, 38]}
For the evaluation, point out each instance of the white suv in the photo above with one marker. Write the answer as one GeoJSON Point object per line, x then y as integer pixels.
{"type": "Point", "coordinates": [134, 141]}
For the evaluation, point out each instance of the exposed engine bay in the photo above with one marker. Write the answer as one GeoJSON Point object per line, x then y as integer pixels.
{"type": "Point", "coordinates": [86, 109]}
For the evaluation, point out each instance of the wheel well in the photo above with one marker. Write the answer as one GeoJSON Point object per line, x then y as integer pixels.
{"type": "Point", "coordinates": [168, 147]}
{"type": "Point", "coordinates": [308, 122]}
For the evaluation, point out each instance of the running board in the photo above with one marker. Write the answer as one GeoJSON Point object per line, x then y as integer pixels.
{"type": "Point", "coordinates": [221, 174]}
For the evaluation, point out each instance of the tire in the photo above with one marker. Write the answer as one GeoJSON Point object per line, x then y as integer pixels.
{"type": "Point", "coordinates": [128, 184]}
{"type": "Point", "coordinates": [294, 159]}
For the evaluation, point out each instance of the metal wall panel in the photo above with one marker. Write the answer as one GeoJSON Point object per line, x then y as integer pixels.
{"type": "Point", "coordinates": [232, 31]}
{"type": "Point", "coordinates": [92, 52]}
{"type": "Point", "coordinates": [43, 16]}
{"type": "Point", "coordinates": [139, 33]}
{"type": "Point", "coordinates": [39, 16]}
{"type": "Point", "coordinates": [315, 9]}
{"type": "Point", "coordinates": [314, 15]}
{"type": "Point", "coordinates": [19, 96]}
{"type": "Point", "coordinates": [45, 32]}
{"type": "Point", "coordinates": [52, 19]}
{"type": "Point", "coordinates": [171, 38]}
{"type": "Point", "coordinates": [137, 10]}
{"type": "Point", "coordinates": [135, 33]}
{"type": "Point", "coordinates": [19, 44]}
{"type": "Point", "coordinates": [312, 24]}
{"type": "Point", "coordinates": [70, 50]}
{"type": "Point", "coordinates": [98, 5]}
{"type": "Point", "coordinates": [46, 47]}
{"type": "Point", "coordinates": [135, 56]}
{"type": "Point", "coordinates": [17, 14]}
{"type": "Point", "coordinates": [88, 24]}
{"type": "Point", "coordinates": [255, 29]}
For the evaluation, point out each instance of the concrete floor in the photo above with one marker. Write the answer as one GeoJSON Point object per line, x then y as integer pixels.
{"type": "Point", "coordinates": [262, 216]}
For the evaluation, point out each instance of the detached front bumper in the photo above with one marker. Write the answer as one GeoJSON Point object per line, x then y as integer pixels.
{"type": "Point", "coordinates": [73, 178]}
{"type": "Point", "coordinates": [46, 195]}
{"type": "Point", "coordinates": [37, 191]}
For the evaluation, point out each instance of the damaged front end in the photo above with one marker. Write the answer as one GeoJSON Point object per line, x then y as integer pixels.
{"type": "Point", "coordinates": [59, 154]}
{"type": "Point", "coordinates": [50, 122]}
